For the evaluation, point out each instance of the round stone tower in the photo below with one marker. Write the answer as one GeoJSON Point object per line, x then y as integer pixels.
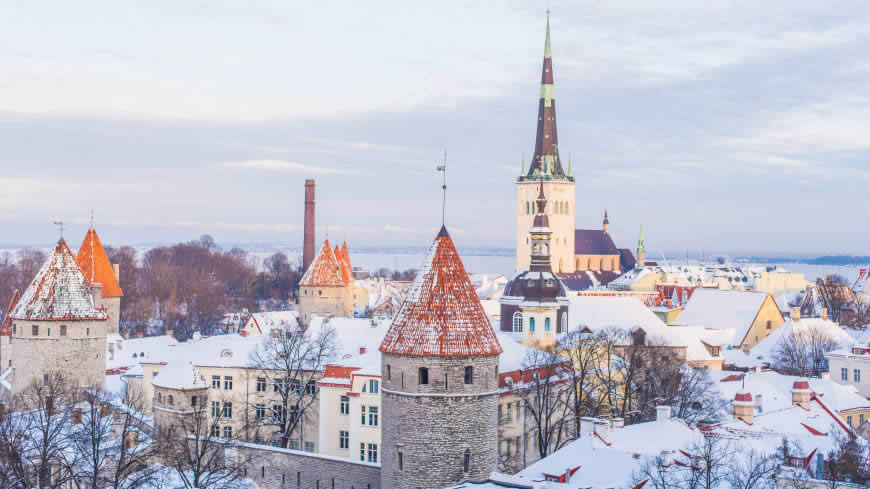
{"type": "Point", "coordinates": [440, 381]}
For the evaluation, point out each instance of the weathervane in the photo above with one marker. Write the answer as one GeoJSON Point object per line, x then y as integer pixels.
{"type": "Point", "coordinates": [59, 224]}
{"type": "Point", "coordinates": [443, 169]}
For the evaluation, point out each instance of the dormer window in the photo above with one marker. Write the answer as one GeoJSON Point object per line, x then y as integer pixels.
{"type": "Point", "coordinates": [530, 283]}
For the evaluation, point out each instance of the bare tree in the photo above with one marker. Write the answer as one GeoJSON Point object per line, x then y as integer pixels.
{"type": "Point", "coordinates": [696, 398]}
{"type": "Point", "coordinates": [754, 470]}
{"type": "Point", "coordinates": [291, 361]}
{"type": "Point", "coordinates": [847, 461]}
{"type": "Point", "coordinates": [803, 351]}
{"type": "Point", "coordinates": [192, 448]}
{"type": "Point", "coordinates": [860, 310]}
{"type": "Point", "coordinates": [580, 349]}
{"type": "Point", "coordinates": [710, 463]}
{"type": "Point", "coordinates": [545, 391]}
{"type": "Point", "coordinates": [833, 293]}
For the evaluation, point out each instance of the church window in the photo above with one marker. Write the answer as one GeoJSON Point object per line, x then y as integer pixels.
{"type": "Point", "coordinates": [63, 329]}
{"type": "Point", "coordinates": [547, 324]}
{"type": "Point", "coordinates": [531, 325]}
{"type": "Point", "coordinates": [518, 322]}
{"type": "Point", "coordinates": [469, 375]}
{"type": "Point", "coordinates": [424, 375]}
{"type": "Point", "coordinates": [466, 461]}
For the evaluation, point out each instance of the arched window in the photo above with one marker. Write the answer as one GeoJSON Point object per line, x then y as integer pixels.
{"type": "Point", "coordinates": [466, 461]}
{"type": "Point", "coordinates": [527, 208]}
{"type": "Point", "coordinates": [564, 323]}
{"type": "Point", "coordinates": [518, 322]}
{"type": "Point", "coordinates": [531, 325]}
{"type": "Point", "coordinates": [547, 324]}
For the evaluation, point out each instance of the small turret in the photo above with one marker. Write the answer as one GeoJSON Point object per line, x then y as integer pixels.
{"type": "Point", "coordinates": [606, 224]}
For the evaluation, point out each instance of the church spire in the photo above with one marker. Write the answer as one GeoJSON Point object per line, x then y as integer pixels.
{"type": "Point", "coordinates": [545, 161]}
{"type": "Point", "coordinates": [641, 250]}
{"type": "Point", "coordinates": [540, 234]}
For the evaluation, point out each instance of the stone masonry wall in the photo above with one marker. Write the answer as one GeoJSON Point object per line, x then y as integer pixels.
{"type": "Point", "coordinates": [280, 468]}
{"type": "Point", "coordinates": [434, 425]}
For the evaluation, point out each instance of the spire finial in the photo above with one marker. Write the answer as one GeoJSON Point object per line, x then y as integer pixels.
{"type": "Point", "coordinates": [547, 53]}
{"type": "Point", "coordinates": [92, 217]}
{"type": "Point", "coordinates": [59, 224]}
{"type": "Point", "coordinates": [523, 167]}
{"type": "Point", "coordinates": [443, 169]}
{"type": "Point", "coordinates": [569, 164]}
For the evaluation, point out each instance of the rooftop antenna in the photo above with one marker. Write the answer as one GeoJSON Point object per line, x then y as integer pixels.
{"type": "Point", "coordinates": [59, 224]}
{"type": "Point", "coordinates": [443, 169]}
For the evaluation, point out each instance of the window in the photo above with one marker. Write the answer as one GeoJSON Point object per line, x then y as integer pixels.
{"type": "Point", "coordinates": [193, 401]}
{"type": "Point", "coordinates": [508, 415]}
{"type": "Point", "coordinates": [310, 387]}
{"type": "Point", "coordinates": [216, 382]}
{"type": "Point", "coordinates": [769, 325]}
{"type": "Point", "coordinates": [373, 386]}
{"type": "Point", "coordinates": [344, 406]}
{"type": "Point", "coordinates": [547, 324]}
{"type": "Point", "coordinates": [401, 462]}
{"type": "Point", "coordinates": [499, 414]}
{"type": "Point", "coordinates": [860, 419]}
{"type": "Point", "coordinates": [424, 375]}
{"type": "Point", "coordinates": [293, 445]}
{"type": "Point", "coordinates": [564, 325]}
{"type": "Point", "coordinates": [228, 383]}
{"type": "Point", "coordinates": [343, 440]}
{"type": "Point", "coordinates": [171, 400]}
{"type": "Point", "coordinates": [362, 452]}
{"type": "Point", "coordinates": [388, 372]}
{"type": "Point", "coordinates": [278, 385]}
{"type": "Point", "coordinates": [849, 420]}
{"type": "Point", "coordinates": [228, 432]}
{"type": "Point", "coordinates": [261, 384]}
{"type": "Point", "coordinates": [278, 413]}
{"type": "Point", "coordinates": [63, 329]}
{"type": "Point", "coordinates": [531, 325]}
{"type": "Point", "coordinates": [48, 333]}
{"type": "Point", "coordinates": [856, 376]}
{"type": "Point", "coordinates": [14, 328]}
{"type": "Point", "coordinates": [466, 461]}
{"type": "Point", "coordinates": [215, 409]}
{"type": "Point", "coordinates": [309, 446]}
{"type": "Point", "coordinates": [295, 386]}
{"type": "Point", "coordinates": [518, 322]}
{"type": "Point", "coordinates": [373, 453]}
{"type": "Point", "coordinates": [215, 430]}
{"type": "Point", "coordinates": [87, 331]}
{"type": "Point", "coordinates": [228, 410]}
{"type": "Point", "coordinates": [373, 416]}
{"type": "Point", "coordinates": [469, 375]}
{"type": "Point", "coordinates": [261, 412]}
{"type": "Point", "coordinates": [34, 330]}
{"type": "Point", "coordinates": [363, 415]}
{"type": "Point", "coordinates": [844, 374]}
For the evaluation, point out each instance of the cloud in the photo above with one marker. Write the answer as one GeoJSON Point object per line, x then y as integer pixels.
{"type": "Point", "coordinates": [280, 166]}
{"type": "Point", "coordinates": [398, 229]}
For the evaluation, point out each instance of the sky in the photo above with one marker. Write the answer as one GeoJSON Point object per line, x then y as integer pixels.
{"type": "Point", "coordinates": [735, 126]}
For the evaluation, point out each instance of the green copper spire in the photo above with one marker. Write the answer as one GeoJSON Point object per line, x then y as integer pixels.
{"type": "Point", "coordinates": [569, 164]}
{"type": "Point", "coordinates": [640, 247]}
{"type": "Point", "coordinates": [523, 168]}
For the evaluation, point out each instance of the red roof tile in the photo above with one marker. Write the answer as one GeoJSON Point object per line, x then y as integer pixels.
{"type": "Point", "coordinates": [59, 292]}
{"type": "Point", "coordinates": [441, 315]}
{"type": "Point", "coordinates": [324, 271]}
{"type": "Point", "coordinates": [95, 265]}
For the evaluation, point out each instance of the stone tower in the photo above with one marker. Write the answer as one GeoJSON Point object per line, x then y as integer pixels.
{"type": "Point", "coordinates": [94, 264]}
{"type": "Point", "coordinates": [641, 251]}
{"type": "Point", "coordinates": [308, 237]}
{"type": "Point", "coordinates": [327, 286]}
{"type": "Point", "coordinates": [558, 185]}
{"type": "Point", "coordinates": [534, 305]}
{"type": "Point", "coordinates": [57, 326]}
{"type": "Point", "coordinates": [439, 368]}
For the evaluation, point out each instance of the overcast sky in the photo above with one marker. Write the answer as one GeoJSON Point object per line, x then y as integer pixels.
{"type": "Point", "coordinates": [722, 125]}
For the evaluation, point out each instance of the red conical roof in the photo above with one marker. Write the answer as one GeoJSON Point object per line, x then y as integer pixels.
{"type": "Point", "coordinates": [60, 291]}
{"type": "Point", "coordinates": [441, 315]}
{"type": "Point", "coordinates": [95, 265]}
{"type": "Point", "coordinates": [324, 271]}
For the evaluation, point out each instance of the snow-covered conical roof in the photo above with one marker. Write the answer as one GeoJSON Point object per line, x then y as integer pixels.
{"type": "Point", "coordinates": [441, 315]}
{"type": "Point", "coordinates": [324, 271]}
{"type": "Point", "coordinates": [59, 292]}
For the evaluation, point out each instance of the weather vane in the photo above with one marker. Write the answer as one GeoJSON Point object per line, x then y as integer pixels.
{"type": "Point", "coordinates": [59, 224]}
{"type": "Point", "coordinates": [443, 169]}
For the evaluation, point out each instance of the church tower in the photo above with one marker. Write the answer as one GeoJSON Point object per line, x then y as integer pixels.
{"type": "Point", "coordinates": [641, 251]}
{"type": "Point", "coordinates": [439, 371]}
{"type": "Point", "coordinates": [558, 185]}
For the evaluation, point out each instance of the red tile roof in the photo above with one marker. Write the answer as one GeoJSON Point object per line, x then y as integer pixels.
{"type": "Point", "coordinates": [95, 265]}
{"type": "Point", "coordinates": [441, 315]}
{"type": "Point", "coordinates": [59, 292]}
{"type": "Point", "coordinates": [324, 271]}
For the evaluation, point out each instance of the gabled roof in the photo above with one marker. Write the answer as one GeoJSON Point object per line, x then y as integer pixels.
{"type": "Point", "coordinates": [95, 265]}
{"type": "Point", "coordinates": [324, 271]}
{"type": "Point", "coordinates": [441, 315]}
{"type": "Point", "coordinates": [627, 259]}
{"type": "Point", "coordinates": [723, 309]}
{"type": "Point", "coordinates": [593, 242]}
{"type": "Point", "coordinates": [60, 291]}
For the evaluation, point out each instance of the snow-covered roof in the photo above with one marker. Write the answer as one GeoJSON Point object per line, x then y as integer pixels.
{"type": "Point", "coordinates": [441, 315]}
{"type": "Point", "coordinates": [325, 270]}
{"type": "Point", "coordinates": [269, 320]}
{"type": "Point", "coordinates": [180, 375]}
{"type": "Point", "coordinates": [59, 292]}
{"type": "Point", "coordinates": [129, 352]}
{"type": "Point", "coordinates": [722, 309]}
{"type": "Point", "coordinates": [766, 349]}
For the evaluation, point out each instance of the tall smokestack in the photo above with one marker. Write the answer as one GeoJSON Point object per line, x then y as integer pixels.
{"type": "Point", "coordinates": [308, 244]}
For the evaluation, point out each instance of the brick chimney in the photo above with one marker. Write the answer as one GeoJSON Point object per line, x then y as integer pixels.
{"type": "Point", "coordinates": [744, 407]}
{"type": "Point", "coordinates": [795, 313]}
{"type": "Point", "coordinates": [801, 393]}
{"type": "Point", "coordinates": [308, 237]}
